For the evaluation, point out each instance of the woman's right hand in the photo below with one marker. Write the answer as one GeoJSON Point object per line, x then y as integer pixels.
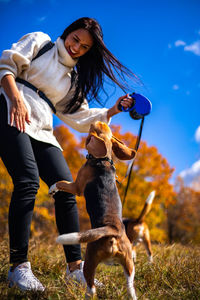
{"type": "Point", "coordinates": [18, 113]}
{"type": "Point", "coordinates": [126, 101]}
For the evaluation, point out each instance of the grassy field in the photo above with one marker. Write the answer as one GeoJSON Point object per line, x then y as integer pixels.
{"type": "Point", "coordinates": [175, 274]}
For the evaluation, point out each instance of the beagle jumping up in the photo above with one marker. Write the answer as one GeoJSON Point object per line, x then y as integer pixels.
{"type": "Point", "coordinates": [107, 240]}
{"type": "Point", "coordinates": [137, 230]}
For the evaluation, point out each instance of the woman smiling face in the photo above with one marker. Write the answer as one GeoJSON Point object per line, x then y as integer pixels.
{"type": "Point", "coordinates": [78, 42]}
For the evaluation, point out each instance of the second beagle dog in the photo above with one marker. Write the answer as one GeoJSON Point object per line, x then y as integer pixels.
{"type": "Point", "coordinates": [107, 240]}
{"type": "Point", "coordinates": [137, 230]}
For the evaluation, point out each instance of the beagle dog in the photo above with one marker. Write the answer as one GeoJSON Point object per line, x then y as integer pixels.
{"type": "Point", "coordinates": [107, 240]}
{"type": "Point", "coordinates": [137, 230]}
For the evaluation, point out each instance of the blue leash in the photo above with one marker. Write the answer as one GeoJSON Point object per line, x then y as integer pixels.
{"type": "Point", "coordinates": [140, 108]}
{"type": "Point", "coordinates": [130, 167]}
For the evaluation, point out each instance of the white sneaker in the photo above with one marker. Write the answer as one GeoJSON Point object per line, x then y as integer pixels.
{"type": "Point", "coordinates": [24, 279]}
{"type": "Point", "coordinates": [78, 276]}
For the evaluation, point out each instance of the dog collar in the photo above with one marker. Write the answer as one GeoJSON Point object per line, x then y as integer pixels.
{"type": "Point", "coordinates": [90, 156]}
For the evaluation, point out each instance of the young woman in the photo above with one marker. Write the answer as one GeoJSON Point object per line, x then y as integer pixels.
{"type": "Point", "coordinates": [59, 80]}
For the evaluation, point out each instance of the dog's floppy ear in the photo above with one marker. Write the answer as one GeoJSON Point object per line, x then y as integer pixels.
{"type": "Point", "coordinates": [121, 150]}
{"type": "Point", "coordinates": [96, 146]}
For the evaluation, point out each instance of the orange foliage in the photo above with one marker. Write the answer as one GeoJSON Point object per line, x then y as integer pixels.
{"type": "Point", "coordinates": [150, 172]}
{"type": "Point", "coordinates": [184, 215]}
{"type": "Point", "coordinates": [71, 148]}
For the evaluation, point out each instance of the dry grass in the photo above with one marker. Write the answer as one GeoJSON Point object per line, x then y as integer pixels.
{"type": "Point", "coordinates": [175, 274]}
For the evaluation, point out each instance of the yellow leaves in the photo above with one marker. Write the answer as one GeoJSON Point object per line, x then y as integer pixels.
{"type": "Point", "coordinates": [151, 171]}
{"type": "Point", "coordinates": [159, 235]}
{"type": "Point", "coordinates": [183, 215]}
{"type": "Point", "coordinates": [43, 212]}
{"type": "Point", "coordinates": [71, 148]}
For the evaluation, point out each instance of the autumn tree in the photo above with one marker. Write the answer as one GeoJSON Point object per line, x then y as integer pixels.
{"type": "Point", "coordinates": [151, 171]}
{"type": "Point", "coordinates": [184, 215]}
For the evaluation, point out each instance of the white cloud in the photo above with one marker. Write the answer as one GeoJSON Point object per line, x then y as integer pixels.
{"type": "Point", "coordinates": [191, 175]}
{"type": "Point", "coordinates": [194, 48]}
{"type": "Point", "coordinates": [175, 87]}
{"type": "Point", "coordinates": [197, 135]}
{"type": "Point", "coordinates": [179, 43]}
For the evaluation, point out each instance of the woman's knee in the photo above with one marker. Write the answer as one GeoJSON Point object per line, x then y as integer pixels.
{"type": "Point", "coordinates": [64, 199]}
{"type": "Point", "coordinates": [26, 188]}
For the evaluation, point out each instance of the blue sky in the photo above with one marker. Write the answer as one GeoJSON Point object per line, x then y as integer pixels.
{"type": "Point", "coordinates": [157, 40]}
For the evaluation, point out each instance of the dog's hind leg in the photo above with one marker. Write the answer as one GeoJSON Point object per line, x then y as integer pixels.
{"type": "Point", "coordinates": [89, 268]}
{"type": "Point", "coordinates": [134, 253]}
{"type": "Point", "coordinates": [126, 261]}
{"type": "Point", "coordinates": [130, 273]}
{"type": "Point", "coordinates": [147, 245]}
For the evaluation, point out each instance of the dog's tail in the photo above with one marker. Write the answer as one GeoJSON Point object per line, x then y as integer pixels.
{"type": "Point", "coordinates": [147, 206]}
{"type": "Point", "coordinates": [88, 236]}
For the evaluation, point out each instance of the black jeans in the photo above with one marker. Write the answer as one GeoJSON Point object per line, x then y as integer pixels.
{"type": "Point", "coordinates": [26, 159]}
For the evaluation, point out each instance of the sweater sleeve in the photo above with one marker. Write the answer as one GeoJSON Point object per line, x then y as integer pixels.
{"type": "Point", "coordinates": [17, 60]}
{"type": "Point", "coordinates": [84, 116]}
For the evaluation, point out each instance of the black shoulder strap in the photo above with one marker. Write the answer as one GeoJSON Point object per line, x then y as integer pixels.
{"type": "Point", "coordinates": [44, 49]}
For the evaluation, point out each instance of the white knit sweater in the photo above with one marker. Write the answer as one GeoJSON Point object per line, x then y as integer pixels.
{"type": "Point", "coordinates": [50, 73]}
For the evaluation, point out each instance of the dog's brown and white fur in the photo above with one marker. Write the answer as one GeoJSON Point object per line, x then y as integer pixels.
{"type": "Point", "coordinates": [107, 240]}
{"type": "Point", "coordinates": [137, 230]}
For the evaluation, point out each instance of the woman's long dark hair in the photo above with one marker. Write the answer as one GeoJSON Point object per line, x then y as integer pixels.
{"type": "Point", "coordinates": [93, 65]}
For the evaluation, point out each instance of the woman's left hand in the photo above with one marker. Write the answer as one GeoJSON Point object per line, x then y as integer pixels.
{"type": "Point", "coordinates": [126, 101]}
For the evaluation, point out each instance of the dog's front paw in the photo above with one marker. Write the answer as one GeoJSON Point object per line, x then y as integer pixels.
{"type": "Point", "coordinates": [53, 189]}
{"type": "Point", "coordinates": [62, 185]}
